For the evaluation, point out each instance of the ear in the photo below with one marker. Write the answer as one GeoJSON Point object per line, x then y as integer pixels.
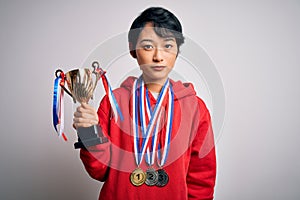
{"type": "Point", "coordinates": [132, 50]}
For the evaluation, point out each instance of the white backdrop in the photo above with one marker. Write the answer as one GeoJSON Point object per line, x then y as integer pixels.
{"type": "Point", "coordinates": [255, 46]}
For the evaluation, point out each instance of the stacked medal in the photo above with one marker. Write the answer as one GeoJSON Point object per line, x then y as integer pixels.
{"type": "Point", "coordinates": [150, 124]}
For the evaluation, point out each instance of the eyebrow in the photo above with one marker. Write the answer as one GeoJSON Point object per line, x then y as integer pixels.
{"type": "Point", "coordinates": [169, 39]}
{"type": "Point", "coordinates": [146, 40]}
{"type": "Point", "coordinates": [165, 40]}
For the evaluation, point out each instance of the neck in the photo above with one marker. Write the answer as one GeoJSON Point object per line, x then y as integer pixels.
{"type": "Point", "coordinates": [154, 87]}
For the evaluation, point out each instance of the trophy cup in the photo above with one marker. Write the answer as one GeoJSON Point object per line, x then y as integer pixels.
{"type": "Point", "coordinates": [81, 84]}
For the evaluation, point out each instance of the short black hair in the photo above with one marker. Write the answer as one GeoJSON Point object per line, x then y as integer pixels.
{"type": "Point", "coordinates": [164, 22]}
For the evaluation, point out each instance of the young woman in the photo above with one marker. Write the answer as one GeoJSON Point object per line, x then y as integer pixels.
{"type": "Point", "coordinates": [164, 147]}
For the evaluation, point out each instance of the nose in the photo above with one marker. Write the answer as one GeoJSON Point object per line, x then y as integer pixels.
{"type": "Point", "coordinates": [158, 55]}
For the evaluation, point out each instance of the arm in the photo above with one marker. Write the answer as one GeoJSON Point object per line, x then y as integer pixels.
{"type": "Point", "coordinates": [202, 167]}
{"type": "Point", "coordinates": [96, 158]}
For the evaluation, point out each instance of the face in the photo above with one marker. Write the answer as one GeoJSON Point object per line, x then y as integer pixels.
{"type": "Point", "coordinates": [155, 55]}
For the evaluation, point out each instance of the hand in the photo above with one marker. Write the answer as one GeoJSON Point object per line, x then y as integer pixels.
{"type": "Point", "coordinates": [85, 116]}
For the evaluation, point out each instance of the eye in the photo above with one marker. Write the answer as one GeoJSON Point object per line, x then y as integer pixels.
{"type": "Point", "coordinates": [148, 47]}
{"type": "Point", "coordinates": [168, 46]}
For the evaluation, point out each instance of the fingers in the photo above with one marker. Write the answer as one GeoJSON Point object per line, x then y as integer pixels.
{"type": "Point", "coordinates": [86, 108]}
{"type": "Point", "coordinates": [81, 122]}
{"type": "Point", "coordinates": [85, 116]}
{"type": "Point", "coordinates": [84, 122]}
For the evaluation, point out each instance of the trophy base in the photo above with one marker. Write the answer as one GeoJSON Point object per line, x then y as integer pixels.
{"type": "Point", "coordinates": [89, 136]}
{"type": "Point", "coordinates": [91, 142]}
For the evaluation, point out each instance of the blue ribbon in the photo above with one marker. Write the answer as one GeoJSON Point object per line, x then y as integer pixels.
{"type": "Point", "coordinates": [55, 102]}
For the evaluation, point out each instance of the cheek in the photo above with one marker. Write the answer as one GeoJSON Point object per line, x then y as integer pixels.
{"type": "Point", "coordinates": [143, 58]}
{"type": "Point", "coordinates": [172, 60]}
{"type": "Point", "coordinates": [139, 56]}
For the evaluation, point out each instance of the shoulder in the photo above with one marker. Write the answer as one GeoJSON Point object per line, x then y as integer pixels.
{"type": "Point", "coordinates": [125, 87]}
{"type": "Point", "coordinates": [202, 104]}
{"type": "Point", "coordinates": [185, 91]}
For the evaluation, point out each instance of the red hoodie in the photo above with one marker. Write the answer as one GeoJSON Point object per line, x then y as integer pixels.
{"type": "Point", "coordinates": [191, 162]}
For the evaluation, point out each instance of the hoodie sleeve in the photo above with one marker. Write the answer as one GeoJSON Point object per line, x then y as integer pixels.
{"type": "Point", "coordinates": [96, 158]}
{"type": "Point", "coordinates": [202, 167]}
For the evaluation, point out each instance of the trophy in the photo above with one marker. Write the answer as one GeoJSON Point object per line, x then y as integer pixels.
{"type": "Point", "coordinates": [81, 84]}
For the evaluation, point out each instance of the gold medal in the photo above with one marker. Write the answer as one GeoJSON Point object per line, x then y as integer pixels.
{"type": "Point", "coordinates": [138, 177]}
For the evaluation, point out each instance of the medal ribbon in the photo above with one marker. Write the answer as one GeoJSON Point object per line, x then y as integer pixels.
{"type": "Point", "coordinates": [148, 113]}
{"type": "Point", "coordinates": [139, 90]}
{"type": "Point", "coordinates": [168, 130]}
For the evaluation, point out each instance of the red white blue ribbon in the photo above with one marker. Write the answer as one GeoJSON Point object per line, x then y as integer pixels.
{"type": "Point", "coordinates": [108, 90]}
{"type": "Point", "coordinates": [58, 106]}
{"type": "Point", "coordinates": [147, 112]}
{"type": "Point", "coordinates": [113, 102]}
{"type": "Point", "coordinates": [164, 156]}
{"type": "Point", "coordinates": [152, 128]}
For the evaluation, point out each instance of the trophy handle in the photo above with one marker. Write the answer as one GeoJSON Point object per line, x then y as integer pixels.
{"type": "Point", "coordinates": [62, 82]}
{"type": "Point", "coordinates": [98, 70]}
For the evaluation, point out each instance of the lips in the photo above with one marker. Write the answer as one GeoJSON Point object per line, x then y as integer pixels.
{"type": "Point", "coordinates": [158, 68]}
